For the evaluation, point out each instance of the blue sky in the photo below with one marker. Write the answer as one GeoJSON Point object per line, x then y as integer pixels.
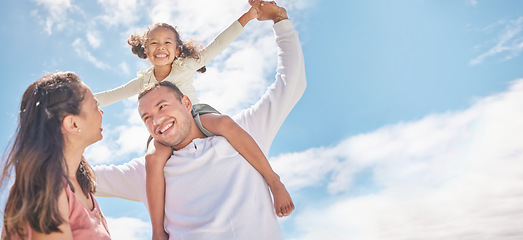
{"type": "Point", "coordinates": [409, 127]}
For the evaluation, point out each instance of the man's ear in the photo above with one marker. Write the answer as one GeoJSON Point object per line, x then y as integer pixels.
{"type": "Point", "coordinates": [187, 103]}
{"type": "Point", "coordinates": [70, 124]}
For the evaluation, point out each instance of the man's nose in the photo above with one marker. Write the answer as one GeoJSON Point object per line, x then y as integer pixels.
{"type": "Point", "coordinates": [157, 120]}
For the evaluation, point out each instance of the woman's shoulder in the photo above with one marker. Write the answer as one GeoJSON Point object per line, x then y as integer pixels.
{"type": "Point", "coordinates": [64, 201]}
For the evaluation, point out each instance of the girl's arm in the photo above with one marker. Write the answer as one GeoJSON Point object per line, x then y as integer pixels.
{"type": "Point", "coordinates": [245, 145]}
{"type": "Point", "coordinates": [155, 159]}
{"type": "Point", "coordinates": [65, 227]}
{"type": "Point", "coordinates": [127, 90]}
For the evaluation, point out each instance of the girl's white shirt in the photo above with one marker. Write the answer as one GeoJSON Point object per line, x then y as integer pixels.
{"type": "Point", "coordinates": [182, 71]}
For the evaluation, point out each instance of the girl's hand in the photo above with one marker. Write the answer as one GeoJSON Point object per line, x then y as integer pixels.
{"type": "Point", "coordinates": [162, 151]}
{"type": "Point", "coordinates": [157, 150]}
{"type": "Point", "coordinates": [248, 16]}
{"type": "Point", "coordinates": [252, 13]}
{"type": "Point", "coordinates": [268, 10]}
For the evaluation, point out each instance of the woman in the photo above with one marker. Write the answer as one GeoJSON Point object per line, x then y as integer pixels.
{"type": "Point", "coordinates": [52, 194]}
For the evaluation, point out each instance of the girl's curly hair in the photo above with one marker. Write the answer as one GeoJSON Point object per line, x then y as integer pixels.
{"type": "Point", "coordinates": [187, 49]}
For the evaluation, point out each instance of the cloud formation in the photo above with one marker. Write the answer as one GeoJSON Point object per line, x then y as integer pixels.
{"type": "Point", "coordinates": [80, 48]}
{"type": "Point", "coordinates": [455, 175]}
{"type": "Point", "coordinates": [508, 43]}
{"type": "Point", "coordinates": [57, 16]}
{"type": "Point", "coordinates": [121, 143]}
{"type": "Point", "coordinates": [128, 228]}
{"type": "Point", "coordinates": [472, 2]}
{"type": "Point", "coordinates": [121, 12]}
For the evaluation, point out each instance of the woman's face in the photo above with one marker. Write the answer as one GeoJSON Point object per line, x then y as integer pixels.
{"type": "Point", "coordinates": [91, 116]}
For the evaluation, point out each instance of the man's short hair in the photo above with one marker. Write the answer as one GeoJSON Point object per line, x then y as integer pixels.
{"type": "Point", "coordinates": [173, 88]}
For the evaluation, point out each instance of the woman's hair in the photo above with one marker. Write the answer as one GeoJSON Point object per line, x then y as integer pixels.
{"type": "Point", "coordinates": [187, 49]}
{"type": "Point", "coordinates": [37, 155]}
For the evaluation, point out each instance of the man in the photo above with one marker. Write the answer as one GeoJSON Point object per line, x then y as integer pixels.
{"type": "Point", "coordinates": [211, 191]}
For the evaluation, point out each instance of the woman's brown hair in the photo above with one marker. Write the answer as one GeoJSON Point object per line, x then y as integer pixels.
{"type": "Point", "coordinates": [187, 49]}
{"type": "Point", "coordinates": [37, 156]}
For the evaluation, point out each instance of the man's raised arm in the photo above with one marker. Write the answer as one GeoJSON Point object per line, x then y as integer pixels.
{"type": "Point", "coordinates": [264, 119]}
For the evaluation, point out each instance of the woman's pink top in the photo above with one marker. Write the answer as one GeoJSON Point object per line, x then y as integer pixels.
{"type": "Point", "coordinates": [86, 224]}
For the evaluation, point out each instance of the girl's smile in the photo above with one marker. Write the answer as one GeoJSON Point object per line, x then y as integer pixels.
{"type": "Point", "coordinates": [161, 47]}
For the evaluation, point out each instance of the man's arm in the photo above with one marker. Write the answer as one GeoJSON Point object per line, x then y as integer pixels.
{"type": "Point", "coordinates": [125, 181]}
{"type": "Point", "coordinates": [264, 119]}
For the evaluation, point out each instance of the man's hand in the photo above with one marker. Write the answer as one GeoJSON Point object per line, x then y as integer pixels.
{"type": "Point", "coordinates": [268, 10]}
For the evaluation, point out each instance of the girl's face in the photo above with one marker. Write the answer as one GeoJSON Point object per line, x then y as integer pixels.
{"type": "Point", "coordinates": [91, 116]}
{"type": "Point", "coordinates": [161, 47]}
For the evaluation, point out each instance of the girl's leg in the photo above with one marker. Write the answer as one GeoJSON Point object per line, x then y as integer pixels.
{"type": "Point", "coordinates": [245, 145]}
{"type": "Point", "coordinates": [155, 159]}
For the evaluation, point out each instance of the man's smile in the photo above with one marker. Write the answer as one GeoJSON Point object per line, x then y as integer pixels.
{"type": "Point", "coordinates": [165, 127]}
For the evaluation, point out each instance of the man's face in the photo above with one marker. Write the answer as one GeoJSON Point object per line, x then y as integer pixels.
{"type": "Point", "coordinates": [167, 118]}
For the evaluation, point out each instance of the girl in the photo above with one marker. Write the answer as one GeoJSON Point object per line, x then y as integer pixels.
{"type": "Point", "coordinates": [176, 61]}
{"type": "Point", "coordinates": [52, 195]}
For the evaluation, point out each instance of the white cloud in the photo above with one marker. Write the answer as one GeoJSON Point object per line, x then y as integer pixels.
{"type": "Point", "coordinates": [356, 220]}
{"type": "Point", "coordinates": [124, 68]}
{"type": "Point", "coordinates": [126, 228]}
{"type": "Point", "coordinates": [204, 19]}
{"type": "Point", "coordinates": [121, 12]}
{"type": "Point", "coordinates": [508, 44]}
{"type": "Point", "coordinates": [456, 175]}
{"type": "Point", "coordinates": [239, 74]}
{"type": "Point", "coordinates": [472, 2]}
{"type": "Point", "coordinates": [57, 10]}
{"type": "Point", "coordinates": [122, 142]}
{"type": "Point", "coordinates": [185, 14]}
{"type": "Point", "coordinates": [98, 153]}
{"type": "Point", "coordinates": [80, 48]}
{"type": "Point", "coordinates": [94, 39]}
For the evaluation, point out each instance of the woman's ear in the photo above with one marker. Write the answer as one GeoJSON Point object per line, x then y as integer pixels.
{"type": "Point", "coordinates": [70, 125]}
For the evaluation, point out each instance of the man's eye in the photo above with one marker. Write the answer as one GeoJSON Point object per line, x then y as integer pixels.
{"type": "Point", "coordinates": [162, 106]}
{"type": "Point", "coordinates": [168, 42]}
{"type": "Point", "coordinates": [146, 118]}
